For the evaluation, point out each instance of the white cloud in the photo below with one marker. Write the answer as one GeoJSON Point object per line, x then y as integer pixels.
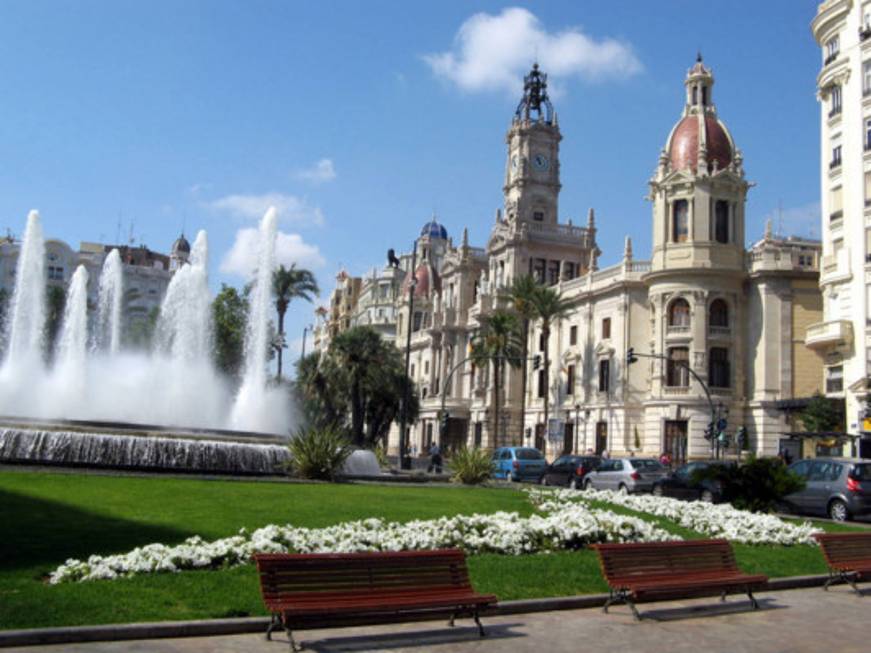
{"type": "Point", "coordinates": [289, 208]}
{"type": "Point", "coordinates": [492, 52]}
{"type": "Point", "coordinates": [242, 258]}
{"type": "Point", "coordinates": [796, 221]}
{"type": "Point", "coordinates": [322, 171]}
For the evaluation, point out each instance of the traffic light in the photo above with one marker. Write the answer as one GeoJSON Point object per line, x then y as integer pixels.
{"type": "Point", "coordinates": [631, 357]}
{"type": "Point", "coordinates": [536, 362]}
{"type": "Point", "coordinates": [742, 439]}
{"type": "Point", "coordinates": [709, 431]}
{"type": "Point", "coordinates": [443, 421]}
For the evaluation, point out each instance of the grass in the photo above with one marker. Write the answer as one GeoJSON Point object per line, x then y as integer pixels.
{"type": "Point", "coordinates": [46, 518]}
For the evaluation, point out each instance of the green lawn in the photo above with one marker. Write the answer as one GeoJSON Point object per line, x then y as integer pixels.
{"type": "Point", "coordinates": [47, 518]}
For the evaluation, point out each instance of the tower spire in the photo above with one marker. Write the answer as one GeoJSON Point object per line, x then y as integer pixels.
{"type": "Point", "coordinates": [535, 98]}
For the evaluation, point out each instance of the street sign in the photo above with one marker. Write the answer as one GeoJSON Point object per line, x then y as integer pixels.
{"type": "Point", "coordinates": [721, 424]}
{"type": "Point", "coordinates": [555, 428]}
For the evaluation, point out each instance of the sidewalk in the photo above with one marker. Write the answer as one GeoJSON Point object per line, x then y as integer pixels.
{"type": "Point", "coordinates": [796, 620]}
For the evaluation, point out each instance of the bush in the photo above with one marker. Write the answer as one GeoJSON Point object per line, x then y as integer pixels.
{"type": "Point", "coordinates": [381, 456]}
{"type": "Point", "coordinates": [471, 466]}
{"type": "Point", "coordinates": [758, 485]}
{"type": "Point", "coordinates": [318, 453]}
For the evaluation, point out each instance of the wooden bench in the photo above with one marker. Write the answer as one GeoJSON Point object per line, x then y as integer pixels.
{"type": "Point", "coordinates": [848, 556]}
{"type": "Point", "coordinates": [669, 570]}
{"type": "Point", "coordinates": [329, 589]}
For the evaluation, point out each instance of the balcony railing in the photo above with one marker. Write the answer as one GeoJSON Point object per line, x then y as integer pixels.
{"type": "Point", "coordinates": [719, 331]}
{"type": "Point", "coordinates": [835, 163]}
{"type": "Point", "coordinates": [836, 215]}
{"type": "Point", "coordinates": [831, 58]}
{"type": "Point", "coordinates": [673, 329]}
{"type": "Point", "coordinates": [836, 111]}
{"type": "Point", "coordinates": [829, 334]}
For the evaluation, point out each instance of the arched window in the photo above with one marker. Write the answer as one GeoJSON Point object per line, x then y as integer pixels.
{"type": "Point", "coordinates": [680, 221]}
{"type": "Point", "coordinates": [721, 221]}
{"type": "Point", "coordinates": [695, 94]}
{"type": "Point", "coordinates": [679, 313]}
{"type": "Point", "coordinates": [718, 314]}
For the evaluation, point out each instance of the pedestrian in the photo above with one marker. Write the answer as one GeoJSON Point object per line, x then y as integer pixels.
{"type": "Point", "coordinates": [435, 459]}
{"type": "Point", "coordinates": [665, 459]}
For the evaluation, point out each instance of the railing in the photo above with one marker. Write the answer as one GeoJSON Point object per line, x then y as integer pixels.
{"type": "Point", "coordinates": [835, 163]}
{"type": "Point", "coordinates": [676, 389]}
{"type": "Point", "coordinates": [719, 331]}
{"type": "Point", "coordinates": [562, 230]}
{"type": "Point", "coordinates": [608, 273]}
{"type": "Point", "coordinates": [639, 266]}
{"type": "Point", "coordinates": [829, 333]}
{"type": "Point", "coordinates": [836, 215]}
{"type": "Point", "coordinates": [673, 329]}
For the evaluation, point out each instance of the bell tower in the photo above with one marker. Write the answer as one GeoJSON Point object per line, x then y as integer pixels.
{"type": "Point", "coordinates": [532, 170]}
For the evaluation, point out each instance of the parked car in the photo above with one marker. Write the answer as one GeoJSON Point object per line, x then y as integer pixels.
{"type": "Point", "coordinates": [837, 487]}
{"type": "Point", "coordinates": [680, 484]}
{"type": "Point", "coordinates": [625, 475]}
{"type": "Point", "coordinates": [569, 471]}
{"type": "Point", "coordinates": [518, 463]}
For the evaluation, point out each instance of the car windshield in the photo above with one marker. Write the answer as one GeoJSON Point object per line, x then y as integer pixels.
{"type": "Point", "coordinates": [529, 454]}
{"type": "Point", "coordinates": [646, 465]}
{"type": "Point", "coordinates": [862, 472]}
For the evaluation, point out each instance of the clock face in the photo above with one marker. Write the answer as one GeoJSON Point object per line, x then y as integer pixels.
{"type": "Point", "coordinates": [540, 162]}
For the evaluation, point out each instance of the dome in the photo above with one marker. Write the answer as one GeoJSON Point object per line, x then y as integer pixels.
{"type": "Point", "coordinates": [181, 246]}
{"type": "Point", "coordinates": [428, 281]}
{"type": "Point", "coordinates": [434, 229]}
{"type": "Point", "coordinates": [683, 150]}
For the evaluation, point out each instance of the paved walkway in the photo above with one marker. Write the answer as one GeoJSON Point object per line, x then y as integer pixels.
{"type": "Point", "coordinates": [794, 621]}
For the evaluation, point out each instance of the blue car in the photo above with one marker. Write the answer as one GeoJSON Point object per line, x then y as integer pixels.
{"type": "Point", "coordinates": [518, 464]}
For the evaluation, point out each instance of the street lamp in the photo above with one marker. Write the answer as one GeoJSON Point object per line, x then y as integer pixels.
{"type": "Point", "coordinates": [404, 458]}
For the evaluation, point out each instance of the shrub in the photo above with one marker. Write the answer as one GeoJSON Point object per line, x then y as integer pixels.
{"type": "Point", "coordinates": [758, 485]}
{"type": "Point", "coordinates": [471, 466]}
{"type": "Point", "coordinates": [318, 453]}
{"type": "Point", "coordinates": [381, 456]}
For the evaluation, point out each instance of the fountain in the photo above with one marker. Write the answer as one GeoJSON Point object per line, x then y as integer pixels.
{"type": "Point", "coordinates": [104, 405]}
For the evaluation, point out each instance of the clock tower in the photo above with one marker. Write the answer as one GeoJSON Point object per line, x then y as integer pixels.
{"type": "Point", "coordinates": [532, 171]}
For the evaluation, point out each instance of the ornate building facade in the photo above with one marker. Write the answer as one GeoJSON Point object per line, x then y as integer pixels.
{"type": "Point", "coordinates": [736, 317]}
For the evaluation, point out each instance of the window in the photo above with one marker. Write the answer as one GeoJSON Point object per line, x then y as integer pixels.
{"type": "Point", "coordinates": [570, 380]}
{"type": "Point", "coordinates": [866, 77]}
{"type": "Point", "coordinates": [835, 101]}
{"type": "Point", "coordinates": [835, 378]}
{"type": "Point", "coordinates": [718, 314]}
{"type": "Point", "coordinates": [542, 383]}
{"type": "Point", "coordinates": [836, 204]}
{"type": "Point", "coordinates": [677, 372]}
{"type": "Point", "coordinates": [541, 342]}
{"type": "Point", "coordinates": [418, 319]}
{"type": "Point", "coordinates": [55, 273]}
{"type": "Point", "coordinates": [680, 221]}
{"type": "Point", "coordinates": [867, 142]}
{"type": "Point", "coordinates": [569, 268]}
{"type": "Point", "coordinates": [606, 328]}
{"type": "Point", "coordinates": [833, 47]}
{"type": "Point", "coordinates": [538, 216]}
{"type": "Point", "coordinates": [836, 152]}
{"type": "Point", "coordinates": [538, 269]}
{"type": "Point", "coordinates": [721, 221]}
{"type": "Point", "coordinates": [552, 272]}
{"type": "Point", "coordinates": [573, 335]}
{"type": "Point", "coordinates": [718, 368]}
{"type": "Point", "coordinates": [868, 250]}
{"type": "Point", "coordinates": [604, 375]}
{"type": "Point", "coordinates": [426, 367]}
{"type": "Point", "coordinates": [679, 314]}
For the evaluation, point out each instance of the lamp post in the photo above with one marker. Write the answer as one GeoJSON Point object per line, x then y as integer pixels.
{"type": "Point", "coordinates": [577, 426]}
{"type": "Point", "coordinates": [404, 459]}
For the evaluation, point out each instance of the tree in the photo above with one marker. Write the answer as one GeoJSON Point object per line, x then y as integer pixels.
{"type": "Point", "coordinates": [498, 342]}
{"type": "Point", "coordinates": [548, 306]}
{"type": "Point", "coordinates": [823, 415]}
{"type": "Point", "coordinates": [229, 313]}
{"type": "Point", "coordinates": [356, 385]}
{"type": "Point", "coordinates": [56, 300]}
{"type": "Point", "coordinates": [521, 294]}
{"type": "Point", "coordinates": [288, 284]}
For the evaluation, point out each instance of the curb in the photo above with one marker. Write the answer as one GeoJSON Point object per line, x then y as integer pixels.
{"type": "Point", "coordinates": [238, 626]}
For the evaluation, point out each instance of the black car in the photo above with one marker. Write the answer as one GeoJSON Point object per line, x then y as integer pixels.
{"type": "Point", "coordinates": [681, 484]}
{"type": "Point", "coordinates": [569, 471]}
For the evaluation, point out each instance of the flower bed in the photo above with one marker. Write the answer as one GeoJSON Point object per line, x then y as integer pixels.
{"type": "Point", "coordinates": [716, 520]}
{"type": "Point", "coordinates": [562, 525]}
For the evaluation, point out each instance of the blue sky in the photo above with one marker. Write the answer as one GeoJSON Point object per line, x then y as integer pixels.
{"type": "Point", "coordinates": [359, 119]}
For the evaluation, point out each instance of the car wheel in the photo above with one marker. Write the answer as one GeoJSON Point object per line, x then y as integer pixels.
{"type": "Point", "coordinates": [623, 490]}
{"type": "Point", "coordinates": [707, 496]}
{"type": "Point", "coordinates": [573, 484]}
{"type": "Point", "coordinates": [838, 511]}
{"type": "Point", "coordinates": [657, 490]}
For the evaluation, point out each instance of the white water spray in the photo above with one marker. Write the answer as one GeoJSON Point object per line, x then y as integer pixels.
{"type": "Point", "coordinates": [72, 348]}
{"type": "Point", "coordinates": [109, 303]}
{"type": "Point", "coordinates": [27, 321]}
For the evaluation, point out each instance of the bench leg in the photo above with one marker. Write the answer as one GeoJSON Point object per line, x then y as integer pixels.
{"type": "Point", "coordinates": [852, 584]}
{"type": "Point", "coordinates": [612, 599]}
{"type": "Point", "coordinates": [753, 601]}
{"type": "Point", "coordinates": [829, 581]}
{"type": "Point", "coordinates": [723, 597]}
{"type": "Point", "coordinates": [631, 604]}
{"type": "Point", "coordinates": [273, 624]}
{"type": "Point", "coordinates": [481, 632]}
{"type": "Point", "coordinates": [452, 619]}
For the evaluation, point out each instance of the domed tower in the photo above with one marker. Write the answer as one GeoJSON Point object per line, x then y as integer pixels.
{"type": "Point", "coordinates": [697, 273]}
{"type": "Point", "coordinates": [532, 172]}
{"type": "Point", "coordinates": [433, 242]}
{"type": "Point", "coordinates": [180, 253]}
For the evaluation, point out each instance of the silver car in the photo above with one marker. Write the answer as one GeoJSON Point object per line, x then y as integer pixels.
{"type": "Point", "coordinates": [837, 487]}
{"type": "Point", "coordinates": [626, 475]}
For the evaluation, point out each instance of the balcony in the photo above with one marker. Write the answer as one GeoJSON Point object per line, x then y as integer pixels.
{"type": "Point", "coordinates": [834, 216]}
{"type": "Point", "coordinates": [834, 333]}
{"type": "Point", "coordinates": [719, 331]}
{"type": "Point", "coordinates": [835, 163]}
{"type": "Point", "coordinates": [830, 58]}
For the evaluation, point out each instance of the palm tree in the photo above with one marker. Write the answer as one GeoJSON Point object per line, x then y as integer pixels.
{"type": "Point", "coordinates": [498, 342]}
{"type": "Point", "coordinates": [520, 295]}
{"type": "Point", "coordinates": [549, 306]}
{"type": "Point", "coordinates": [288, 284]}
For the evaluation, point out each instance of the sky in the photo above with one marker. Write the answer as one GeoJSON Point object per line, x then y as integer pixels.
{"type": "Point", "coordinates": [358, 120]}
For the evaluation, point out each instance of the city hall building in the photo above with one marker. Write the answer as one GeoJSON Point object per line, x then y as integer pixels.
{"type": "Point", "coordinates": [736, 317]}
